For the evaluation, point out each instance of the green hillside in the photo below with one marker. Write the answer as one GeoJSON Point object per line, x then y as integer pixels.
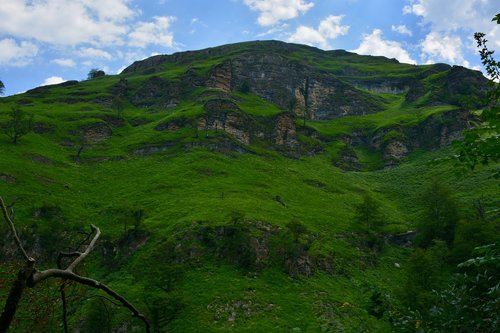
{"type": "Point", "coordinates": [228, 192]}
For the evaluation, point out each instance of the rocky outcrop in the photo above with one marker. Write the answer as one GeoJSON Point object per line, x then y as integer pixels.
{"type": "Point", "coordinates": [301, 265]}
{"type": "Point", "coordinates": [305, 80]}
{"type": "Point", "coordinates": [221, 77]}
{"type": "Point", "coordinates": [156, 92]}
{"type": "Point", "coordinates": [347, 160]}
{"type": "Point", "coordinates": [250, 246]}
{"type": "Point", "coordinates": [456, 86]}
{"type": "Point", "coordinates": [394, 151]}
{"type": "Point", "coordinates": [121, 88]}
{"type": "Point", "coordinates": [405, 239]}
{"type": "Point", "coordinates": [396, 142]}
{"type": "Point", "coordinates": [225, 115]}
{"type": "Point", "coordinates": [153, 149]}
{"type": "Point", "coordinates": [285, 133]}
{"type": "Point", "coordinates": [43, 128]}
{"type": "Point", "coordinates": [7, 178]}
{"type": "Point", "coordinates": [174, 124]}
{"type": "Point", "coordinates": [282, 81]}
{"type": "Point", "coordinates": [95, 133]}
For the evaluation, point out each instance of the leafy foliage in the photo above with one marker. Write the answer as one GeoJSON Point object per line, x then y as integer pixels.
{"type": "Point", "coordinates": [470, 303]}
{"type": "Point", "coordinates": [18, 125]}
{"type": "Point", "coordinates": [439, 217]}
{"type": "Point", "coordinates": [368, 213]}
{"type": "Point", "coordinates": [2, 88]}
{"type": "Point", "coordinates": [94, 73]}
{"type": "Point", "coordinates": [481, 145]}
{"type": "Point", "coordinates": [245, 87]}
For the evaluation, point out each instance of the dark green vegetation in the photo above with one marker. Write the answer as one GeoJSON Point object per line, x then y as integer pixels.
{"type": "Point", "coordinates": [481, 145]}
{"type": "Point", "coordinates": [220, 211]}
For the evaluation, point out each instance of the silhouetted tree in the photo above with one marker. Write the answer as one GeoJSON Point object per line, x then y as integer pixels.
{"type": "Point", "coordinates": [95, 73]}
{"type": "Point", "coordinates": [439, 216]}
{"type": "Point", "coordinates": [245, 87]}
{"type": "Point", "coordinates": [2, 88]}
{"type": "Point", "coordinates": [18, 125]}
{"type": "Point", "coordinates": [422, 275]}
{"type": "Point", "coordinates": [368, 212]}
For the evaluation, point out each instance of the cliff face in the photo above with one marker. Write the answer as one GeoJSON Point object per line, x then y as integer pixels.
{"type": "Point", "coordinates": [307, 84]}
{"type": "Point", "coordinates": [394, 143]}
{"type": "Point", "coordinates": [292, 85]}
{"type": "Point", "coordinates": [324, 84]}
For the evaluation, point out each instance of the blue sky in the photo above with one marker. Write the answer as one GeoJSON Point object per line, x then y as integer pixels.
{"type": "Point", "coordinates": [50, 41]}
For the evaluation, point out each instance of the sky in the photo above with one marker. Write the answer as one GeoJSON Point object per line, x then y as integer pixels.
{"type": "Point", "coordinates": [51, 41]}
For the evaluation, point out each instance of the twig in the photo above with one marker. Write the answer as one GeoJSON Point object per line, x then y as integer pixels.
{"type": "Point", "coordinates": [14, 232]}
{"type": "Point", "coordinates": [29, 276]}
{"type": "Point", "coordinates": [69, 275]}
{"type": "Point", "coordinates": [82, 256]}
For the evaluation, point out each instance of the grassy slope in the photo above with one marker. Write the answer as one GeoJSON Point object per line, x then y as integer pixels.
{"type": "Point", "coordinates": [176, 187]}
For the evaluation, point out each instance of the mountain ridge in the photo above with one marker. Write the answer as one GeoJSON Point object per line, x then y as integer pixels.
{"type": "Point", "coordinates": [225, 206]}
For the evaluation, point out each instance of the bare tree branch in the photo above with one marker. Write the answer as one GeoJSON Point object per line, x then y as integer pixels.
{"type": "Point", "coordinates": [29, 276]}
{"type": "Point", "coordinates": [82, 256]}
{"type": "Point", "coordinates": [6, 216]}
{"type": "Point", "coordinates": [69, 275]}
{"type": "Point", "coordinates": [62, 255]}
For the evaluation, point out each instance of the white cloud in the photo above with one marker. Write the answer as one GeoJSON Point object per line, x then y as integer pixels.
{"type": "Point", "coordinates": [447, 21]}
{"type": "Point", "coordinates": [16, 54]}
{"type": "Point", "coordinates": [90, 52]}
{"type": "Point", "coordinates": [331, 27]}
{"type": "Point", "coordinates": [402, 29]}
{"type": "Point", "coordinates": [120, 70]}
{"type": "Point", "coordinates": [308, 36]}
{"type": "Point", "coordinates": [416, 9]}
{"type": "Point", "coordinates": [156, 32]}
{"type": "Point", "coordinates": [328, 29]}
{"type": "Point", "coordinates": [64, 62]}
{"type": "Point", "coordinates": [52, 80]}
{"type": "Point", "coordinates": [373, 44]}
{"type": "Point", "coordinates": [274, 30]}
{"type": "Point", "coordinates": [441, 47]}
{"type": "Point", "coordinates": [464, 15]}
{"type": "Point", "coordinates": [63, 22]}
{"type": "Point", "coordinates": [272, 12]}
{"type": "Point", "coordinates": [129, 57]}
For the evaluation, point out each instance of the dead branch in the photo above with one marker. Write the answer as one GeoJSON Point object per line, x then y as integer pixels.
{"type": "Point", "coordinates": [6, 216]}
{"type": "Point", "coordinates": [30, 276]}
{"type": "Point", "coordinates": [68, 275]}
{"type": "Point", "coordinates": [90, 247]}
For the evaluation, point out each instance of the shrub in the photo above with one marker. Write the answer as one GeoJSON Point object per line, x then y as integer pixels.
{"type": "Point", "coordinates": [94, 73]}
{"type": "Point", "coordinates": [439, 216]}
{"type": "Point", "coordinates": [245, 87]}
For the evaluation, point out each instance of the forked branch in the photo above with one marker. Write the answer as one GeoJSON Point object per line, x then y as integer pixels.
{"type": "Point", "coordinates": [30, 276]}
